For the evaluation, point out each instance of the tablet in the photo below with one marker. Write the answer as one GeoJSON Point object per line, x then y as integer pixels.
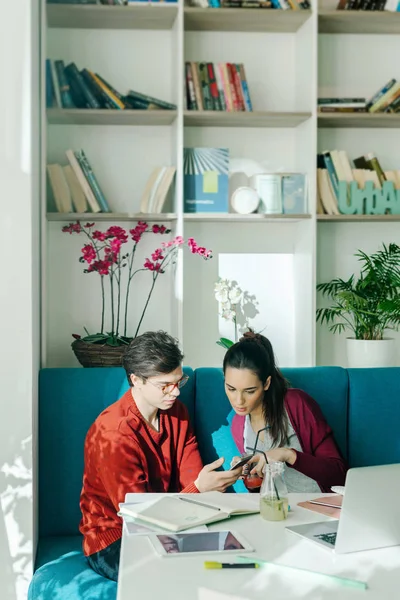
{"type": "Point", "coordinates": [209, 542]}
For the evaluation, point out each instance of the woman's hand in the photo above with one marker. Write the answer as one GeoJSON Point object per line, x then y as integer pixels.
{"type": "Point", "coordinates": [286, 455]}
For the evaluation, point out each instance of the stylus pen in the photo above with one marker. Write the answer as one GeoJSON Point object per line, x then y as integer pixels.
{"type": "Point", "coordinates": [218, 565]}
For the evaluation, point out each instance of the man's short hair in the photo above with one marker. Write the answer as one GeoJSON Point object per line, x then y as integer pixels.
{"type": "Point", "coordinates": [150, 354]}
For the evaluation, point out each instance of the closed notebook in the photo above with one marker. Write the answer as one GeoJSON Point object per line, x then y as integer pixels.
{"type": "Point", "coordinates": [326, 505]}
{"type": "Point", "coordinates": [177, 513]}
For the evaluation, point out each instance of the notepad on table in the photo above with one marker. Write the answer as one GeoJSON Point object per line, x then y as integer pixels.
{"type": "Point", "coordinates": [178, 513]}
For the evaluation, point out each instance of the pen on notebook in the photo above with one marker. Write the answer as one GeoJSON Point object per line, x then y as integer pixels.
{"type": "Point", "coordinates": [199, 503]}
{"type": "Point", "coordinates": [218, 565]}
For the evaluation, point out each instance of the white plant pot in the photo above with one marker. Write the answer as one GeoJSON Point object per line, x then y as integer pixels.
{"type": "Point", "coordinates": [371, 353]}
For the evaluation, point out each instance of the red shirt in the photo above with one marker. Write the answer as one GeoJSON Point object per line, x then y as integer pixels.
{"type": "Point", "coordinates": [124, 454]}
{"type": "Point", "coordinates": [320, 459]}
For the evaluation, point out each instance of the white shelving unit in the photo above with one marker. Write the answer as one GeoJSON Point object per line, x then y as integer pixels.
{"type": "Point", "coordinates": [278, 258]}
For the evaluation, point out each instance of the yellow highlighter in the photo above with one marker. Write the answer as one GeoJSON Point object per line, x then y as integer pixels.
{"type": "Point", "coordinates": [218, 565]}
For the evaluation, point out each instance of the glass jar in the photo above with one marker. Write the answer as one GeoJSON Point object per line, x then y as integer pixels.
{"type": "Point", "coordinates": [274, 503]}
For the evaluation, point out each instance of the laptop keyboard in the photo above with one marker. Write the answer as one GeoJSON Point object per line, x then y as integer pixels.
{"type": "Point", "coordinates": [330, 538]}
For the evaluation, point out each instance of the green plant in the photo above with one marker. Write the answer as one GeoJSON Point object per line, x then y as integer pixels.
{"type": "Point", "coordinates": [370, 304]}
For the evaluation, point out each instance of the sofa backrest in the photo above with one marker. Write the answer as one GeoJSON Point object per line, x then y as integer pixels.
{"type": "Point", "coordinates": [374, 416]}
{"type": "Point", "coordinates": [69, 402]}
{"type": "Point", "coordinates": [213, 412]}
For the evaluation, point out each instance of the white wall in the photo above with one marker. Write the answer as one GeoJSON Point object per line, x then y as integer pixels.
{"type": "Point", "coordinates": [19, 298]}
{"type": "Point", "coordinates": [344, 72]}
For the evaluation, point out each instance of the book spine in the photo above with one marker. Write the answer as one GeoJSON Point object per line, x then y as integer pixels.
{"type": "Point", "coordinates": [213, 87]}
{"type": "Point", "coordinates": [235, 100]}
{"type": "Point", "coordinates": [375, 165]}
{"type": "Point", "coordinates": [197, 86]}
{"type": "Point", "coordinates": [90, 197]}
{"type": "Point", "coordinates": [49, 85]}
{"type": "Point", "coordinates": [332, 173]}
{"type": "Point", "coordinates": [102, 98]}
{"type": "Point", "coordinates": [190, 93]}
{"type": "Point", "coordinates": [245, 88]}
{"type": "Point", "coordinates": [110, 87]}
{"type": "Point", "coordinates": [223, 67]}
{"type": "Point", "coordinates": [220, 86]}
{"type": "Point", "coordinates": [344, 109]}
{"type": "Point", "coordinates": [238, 86]}
{"type": "Point", "coordinates": [207, 99]}
{"type": "Point", "coordinates": [393, 106]}
{"type": "Point", "coordinates": [57, 93]}
{"type": "Point", "coordinates": [91, 178]}
{"type": "Point", "coordinates": [66, 99]}
{"type": "Point", "coordinates": [86, 91]}
{"type": "Point", "coordinates": [322, 101]}
{"type": "Point", "coordinates": [112, 97]}
{"type": "Point", "coordinates": [76, 92]}
{"type": "Point", "coordinates": [152, 100]}
{"type": "Point", "coordinates": [380, 93]}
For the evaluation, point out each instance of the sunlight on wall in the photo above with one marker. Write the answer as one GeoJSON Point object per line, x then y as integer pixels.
{"type": "Point", "coordinates": [15, 501]}
{"type": "Point", "coordinates": [269, 278]}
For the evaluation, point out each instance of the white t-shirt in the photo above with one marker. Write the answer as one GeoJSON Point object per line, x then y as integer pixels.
{"type": "Point", "coordinates": [295, 481]}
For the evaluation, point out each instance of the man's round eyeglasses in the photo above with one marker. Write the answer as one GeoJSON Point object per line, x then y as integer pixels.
{"type": "Point", "coordinates": [168, 388]}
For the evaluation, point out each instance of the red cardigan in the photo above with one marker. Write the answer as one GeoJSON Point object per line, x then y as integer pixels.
{"type": "Point", "coordinates": [123, 454]}
{"type": "Point", "coordinates": [320, 458]}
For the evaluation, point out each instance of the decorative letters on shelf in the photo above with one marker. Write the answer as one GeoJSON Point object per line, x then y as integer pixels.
{"type": "Point", "coordinates": [369, 201]}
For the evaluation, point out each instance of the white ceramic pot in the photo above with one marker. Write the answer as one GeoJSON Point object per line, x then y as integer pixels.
{"type": "Point", "coordinates": [371, 353]}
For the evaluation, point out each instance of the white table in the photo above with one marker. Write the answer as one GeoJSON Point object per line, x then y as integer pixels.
{"type": "Point", "coordinates": [144, 575]}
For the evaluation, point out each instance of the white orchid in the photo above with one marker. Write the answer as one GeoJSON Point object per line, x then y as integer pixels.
{"type": "Point", "coordinates": [228, 315]}
{"type": "Point", "coordinates": [235, 295]}
{"type": "Point", "coordinates": [222, 296]}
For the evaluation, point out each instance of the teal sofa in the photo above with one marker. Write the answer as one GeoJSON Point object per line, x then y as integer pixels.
{"type": "Point", "coordinates": [361, 405]}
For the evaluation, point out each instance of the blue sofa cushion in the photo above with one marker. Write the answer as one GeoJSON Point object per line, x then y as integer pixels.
{"type": "Point", "coordinates": [64, 574]}
{"type": "Point", "coordinates": [327, 385]}
{"type": "Point", "coordinates": [69, 402]}
{"type": "Point", "coordinates": [374, 416]}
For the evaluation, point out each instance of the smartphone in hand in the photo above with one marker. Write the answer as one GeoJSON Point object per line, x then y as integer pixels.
{"type": "Point", "coordinates": [242, 461]}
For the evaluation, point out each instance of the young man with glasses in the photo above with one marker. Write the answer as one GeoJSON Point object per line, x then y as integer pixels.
{"type": "Point", "coordinates": [141, 443]}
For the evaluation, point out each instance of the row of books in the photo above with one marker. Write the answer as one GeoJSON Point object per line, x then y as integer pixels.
{"type": "Point", "coordinates": [69, 87]}
{"type": "Point", "coordinates": [389, 5]}
{"type": "Point", "coordinates": [112, 2]}
{"type": "Point", "coordinates": [334, 166]}
{"type": "Point", "coordinates": [74, 187]}
{"type": "Point", "coordinates": [274, 4]}
{"type": "Point", "coordinates": [212, 86]}
{"type": "Point", "coordinates": [386, 99]}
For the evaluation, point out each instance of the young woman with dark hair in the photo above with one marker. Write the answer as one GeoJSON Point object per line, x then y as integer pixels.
{"type": "Point", "coordinates": [141, 443]}
{"type": "Point", "coordinates": [292, 427]}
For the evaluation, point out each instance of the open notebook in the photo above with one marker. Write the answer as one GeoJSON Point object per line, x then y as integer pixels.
{"type": "Point", "coordinates": [177, 513]}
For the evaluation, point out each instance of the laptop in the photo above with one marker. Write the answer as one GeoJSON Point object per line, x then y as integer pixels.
{"type": "Point", "coordinates": [369, 517]}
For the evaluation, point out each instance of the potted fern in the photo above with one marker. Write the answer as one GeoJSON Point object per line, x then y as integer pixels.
{"type": "Point", "coordinates": [368, 306]}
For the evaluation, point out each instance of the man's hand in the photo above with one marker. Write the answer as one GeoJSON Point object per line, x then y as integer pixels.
{"type": "Point", "coordinates": [210, 480]}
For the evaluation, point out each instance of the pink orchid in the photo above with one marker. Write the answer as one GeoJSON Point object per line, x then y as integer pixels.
{"type": "Point", "coordinates": [104, 255]}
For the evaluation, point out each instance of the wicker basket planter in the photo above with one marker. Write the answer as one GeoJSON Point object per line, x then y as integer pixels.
{"type": "Point", "coordinates": [95, 355]}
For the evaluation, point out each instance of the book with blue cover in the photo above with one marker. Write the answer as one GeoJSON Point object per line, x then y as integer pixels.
{"type": "Point", "coordinates": [206, 180]}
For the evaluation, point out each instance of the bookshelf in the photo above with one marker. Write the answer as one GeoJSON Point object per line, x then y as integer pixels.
{"type": "Point", "coordinates": [358, 22]}
{"type": "Point", "coordinates": [244, 20]}
{"type": "Point", "coordinates": [273, 256]}
{"type": "Point", "coordinates": [358, 218]}
{"type": "Point", "coordinates": [76, 16]}
{"type": "Point", "coordinates": [243, 119]}
{"type": "Point", "coordinates": [359, 120]}
{"type": "Point", "coordinates": [155, 118]}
